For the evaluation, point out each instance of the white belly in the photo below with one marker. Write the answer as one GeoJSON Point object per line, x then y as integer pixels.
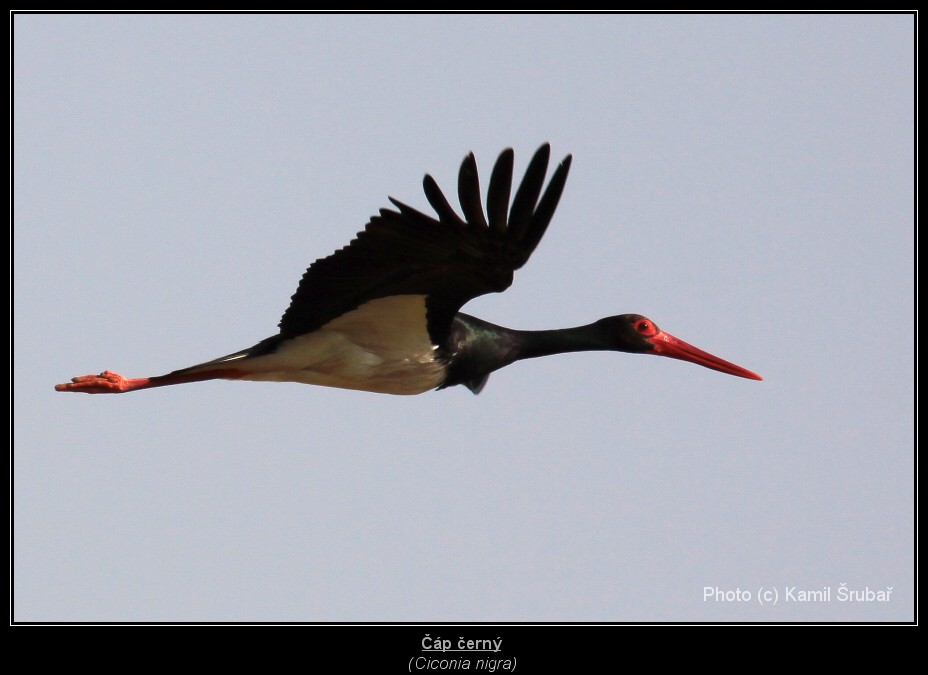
{"type": "Point", "coordinates": [381, 346]}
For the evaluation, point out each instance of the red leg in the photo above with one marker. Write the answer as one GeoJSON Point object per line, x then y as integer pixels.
{"type": "Point", "coordinates": [106, 382]}
{"type": "Point", "coordinates": [109, 382]}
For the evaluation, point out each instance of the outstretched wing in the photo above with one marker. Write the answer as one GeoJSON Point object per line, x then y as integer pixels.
{"type": "Point", "coordinates": [450, 260]}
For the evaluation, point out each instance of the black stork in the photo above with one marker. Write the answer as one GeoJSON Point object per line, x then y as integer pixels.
{"type": "Point", "coordinates": [382, 314]}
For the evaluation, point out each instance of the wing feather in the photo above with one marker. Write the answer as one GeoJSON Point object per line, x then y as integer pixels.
{"type": "Point", "coordinates": [498, 192]}
{"type": "Point", "coordinates": [448, 259]}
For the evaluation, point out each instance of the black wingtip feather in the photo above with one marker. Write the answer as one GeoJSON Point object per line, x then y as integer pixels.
{"type": "Point", "coordinates": [546, 207]}
{"type": "Point", "coordinates": [438, 201]}
{"type": "Point", "coordinates": [523, 205]}
{"type": "Point", "coordinates": [469, 193]}
{"type": "Point", "coordinates": [498, 192]}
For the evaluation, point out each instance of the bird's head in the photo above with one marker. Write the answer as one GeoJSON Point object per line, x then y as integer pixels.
{"type": "Point", "coordinates": [638, 334]}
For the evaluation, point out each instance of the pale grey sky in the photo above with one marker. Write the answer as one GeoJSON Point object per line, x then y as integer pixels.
{"type": "Point", "coordinates": [745, 181]}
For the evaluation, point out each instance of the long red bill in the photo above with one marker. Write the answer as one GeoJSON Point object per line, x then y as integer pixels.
{"type": "Point", "coordinates": [666, 344]}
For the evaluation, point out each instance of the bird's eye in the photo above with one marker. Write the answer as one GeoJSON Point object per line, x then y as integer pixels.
{"type": "Point", "coordinates": [645, 327]}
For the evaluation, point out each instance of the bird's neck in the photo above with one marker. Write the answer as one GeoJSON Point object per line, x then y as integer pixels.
{"type": "Point", "coordinates": [476, 348]}
{"type": "Point", "coordinates": [535, 343]}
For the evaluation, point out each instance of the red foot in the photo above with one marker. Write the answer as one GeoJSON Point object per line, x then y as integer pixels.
{"type": "Point", "coordinates": [106, 382]}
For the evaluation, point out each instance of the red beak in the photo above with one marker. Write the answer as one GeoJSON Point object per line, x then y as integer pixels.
{"type": "Point", "coordinates": [666, 344]}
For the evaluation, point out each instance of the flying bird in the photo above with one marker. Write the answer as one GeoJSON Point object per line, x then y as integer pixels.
{"type": "Point", "coordinates": [383, 313]}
